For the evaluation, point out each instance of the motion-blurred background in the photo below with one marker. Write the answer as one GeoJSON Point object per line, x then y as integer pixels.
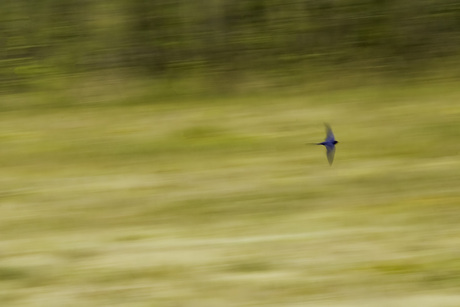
{"type": "Point", "coordinates": [224, 45]}
{"type": "Point", "coordinates": [153, 153]}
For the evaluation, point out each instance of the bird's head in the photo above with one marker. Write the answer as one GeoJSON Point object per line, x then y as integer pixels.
{"type": "Point", "coordinates": [335, 142]}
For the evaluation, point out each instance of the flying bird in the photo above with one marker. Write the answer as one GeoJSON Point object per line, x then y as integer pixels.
{"type": "Point", "coordinates": [329, 143]}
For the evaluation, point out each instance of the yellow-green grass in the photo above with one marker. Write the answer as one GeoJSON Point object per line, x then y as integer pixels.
{"type": "Point", "coordinates": [219, 202]}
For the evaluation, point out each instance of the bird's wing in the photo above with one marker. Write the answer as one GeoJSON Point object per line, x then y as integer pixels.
{"type": "Point", "coordinates": [329, 135]}
{"type": "Point", "coordinates": [330, 153]}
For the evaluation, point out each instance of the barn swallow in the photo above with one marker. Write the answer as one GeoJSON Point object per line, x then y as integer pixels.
{"type": "Point", "coordinates": [329, 143]}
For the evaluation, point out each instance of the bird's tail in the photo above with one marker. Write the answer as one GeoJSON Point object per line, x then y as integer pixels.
{"type": "Point", "coordinates": [313, 143]}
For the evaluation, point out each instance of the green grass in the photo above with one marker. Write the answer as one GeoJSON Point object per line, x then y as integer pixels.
{"type": "Point", "coordinates": [219, 202]}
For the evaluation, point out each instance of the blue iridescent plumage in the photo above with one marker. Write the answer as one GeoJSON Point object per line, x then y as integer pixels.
{"type": "Point", "coordinates": [329, 143]}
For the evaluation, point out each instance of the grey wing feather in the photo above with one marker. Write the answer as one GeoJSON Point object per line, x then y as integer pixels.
{"type": "Point", "coordinates": [329, 135]}
{"type": "Point", "coordinates": [330, 153]}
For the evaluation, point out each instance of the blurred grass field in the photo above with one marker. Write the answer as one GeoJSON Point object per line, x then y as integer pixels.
{"type": "Point", "coordinates": [219, 201]}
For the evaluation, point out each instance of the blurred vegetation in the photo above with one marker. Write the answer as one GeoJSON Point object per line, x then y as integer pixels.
{"type": "Point", "coordinates": [127, 182]}
{"type": "Point", "coordinates": [218, 202]}
{"type": "Point", "coordinates": [223, 40]}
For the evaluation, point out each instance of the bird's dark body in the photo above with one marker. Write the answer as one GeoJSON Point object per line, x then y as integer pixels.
{"type": "Point", "coordinates": [326, 143]}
